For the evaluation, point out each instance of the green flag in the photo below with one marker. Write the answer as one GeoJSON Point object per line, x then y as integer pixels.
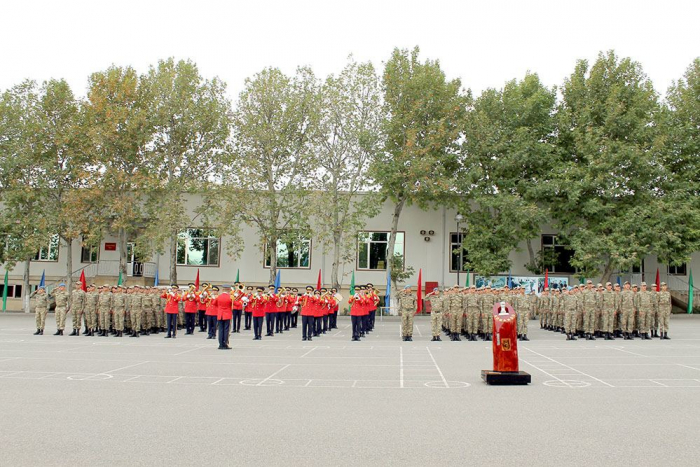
{"type": "Point", "coordinates": [238, 275]}
{"type": "Point", "coordinates": [690, 291]}
{"type": "Point", "coordinates": [352, 284]}
{"type": "Point", "coordinates": [119, 282]}
{"type": "Point", "coordinates": [4, 293]}
{"type": "Point", "coordinates": [466, 284]}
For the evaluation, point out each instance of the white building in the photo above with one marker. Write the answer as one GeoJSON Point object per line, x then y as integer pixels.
{"type": "Point", "coordinates": [426, 239]}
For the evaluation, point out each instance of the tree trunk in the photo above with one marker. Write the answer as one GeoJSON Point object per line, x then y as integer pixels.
{"type": "Point", "coordinates": [272, 246]}
{"type": "Point", "coordinates": [337, 237]}
{"type": "Point", "coordinates": [607, 272]}
{"type": "Point", "coordinates": [173, 258]}
{"type": "Point", "coordinates": [531, 254]}
{"type": "Point", "coordinates": [122, 253]}
{"type": "Point", "coordinates": [392, 238]}
{"type": "Point", "coordinates": [25, 285]}
{"type": "Point", "coordinates": [69, 268]}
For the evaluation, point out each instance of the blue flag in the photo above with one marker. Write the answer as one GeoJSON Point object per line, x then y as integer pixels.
{"type": "Point", "coordinates": [42, 283]}
{"type": "Point", "coordinates": [387, 298]}
{"type": "Point", "coordinates": [510, 281]}
{"type": "Point", "coordinates": [619, 281]}
{"type": "Point", "coordinates": [277, 280]}
{"type": "Point", "coordinates": [155, 281]}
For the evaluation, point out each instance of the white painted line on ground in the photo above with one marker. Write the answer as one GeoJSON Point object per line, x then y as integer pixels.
{"type": "Point", "coordinates": [122, 368]}
{"type": "Point", "coordinates": [190, 350]}
{"type": "Point", "coordinates": [574, 369]}
{"type": "Point", "coordinates": [436, 366]}
{"type": "Point", "coordinates": [307, 353]}
{"type": "Point", "coordinates": [688, 366]}
{"type": "Point", "coordinates": [274, 374]}
{"type": "Point", "coordinates": [420, 334]}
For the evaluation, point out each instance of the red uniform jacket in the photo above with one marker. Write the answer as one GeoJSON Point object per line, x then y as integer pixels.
{"type": "Point", "coordinates": [202, 298]}
{"type": "Point", "coordinates": [258, 305]}
{"type": "Point", "coordinates": [223, 305]}
{"type": "Point", "coordinates": [210, 308]}
{"type": "Point", "coordinates": [191, 302]}
{"type": "Point", "coordinates": [357, 305]}
{"type": "Point", "coordinates": [171, 304]}
{"type": "Point", "coordinates": [238, 300]}
{"type": "Point", "coordinates": [307, 305]}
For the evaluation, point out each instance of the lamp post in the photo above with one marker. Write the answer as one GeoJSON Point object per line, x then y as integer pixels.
{"type": "Point", "coordinates": [459, 219]}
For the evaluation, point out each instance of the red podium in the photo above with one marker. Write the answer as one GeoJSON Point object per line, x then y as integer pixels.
{"type": "Point", "coordinates": [506, 368]}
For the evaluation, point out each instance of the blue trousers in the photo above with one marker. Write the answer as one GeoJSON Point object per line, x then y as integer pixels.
{"type": "Point", "coordinates": [172, 323]}
{"type": "Point", "coordinates": [237, 320]}
{"type": "Point", "coordinates": [224, 326]}
{"type": "Point", "coordinates": [307, 323]}
{"type": "Point", "coordinates": [257, 325]}
{"type": "Point", "coordinates": [211, 325]}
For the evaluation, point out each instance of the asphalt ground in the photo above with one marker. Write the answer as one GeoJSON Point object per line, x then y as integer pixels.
{"type": "Point", "coordinates": [96, 401]}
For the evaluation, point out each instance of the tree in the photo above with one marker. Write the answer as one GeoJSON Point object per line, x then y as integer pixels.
{"type": "Point", "coordinates": [508, 153]}
{"type": "Point", "coordinates": [607, 174]}
{"type": "Point", "coordinates": [424, 114]}
{"type": "Point", "coordinates": [190, 117]}
{"type": "Point", "coordinates": [266, 177]}
{"type": "Point", "coordinates": [349, 138]}
{"type": "Point", "coordinates": [120, 129]}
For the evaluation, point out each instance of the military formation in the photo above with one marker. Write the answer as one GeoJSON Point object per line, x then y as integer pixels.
{"type": "Point", "coordinates": [606, 312]}
{"type": "Point", "coordinates": [467, 311]}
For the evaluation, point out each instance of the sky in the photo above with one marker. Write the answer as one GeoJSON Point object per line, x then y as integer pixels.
{"type": "Point", "coordinates": [484, 43]}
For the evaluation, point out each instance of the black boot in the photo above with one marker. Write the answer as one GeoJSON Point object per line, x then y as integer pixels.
{"type": "Point", "coordinates": [525, 337]}
{"type": "Point", "coordinates": [591, 338]}
{"type": "Point", "coordinates": [42, 332]}
{"type": "Point", "coordinates": [573, 337]}
{"type": "Point", "coordinates": [568, 337]}
{"type": "Point", "coordinates": [437, 338]}
{"type": "Point", "coordinates": [74, 333]}
{"type": "Point", "coordinates": [665, 336]}
{"type": "Point", "coordinates": [38, 331]}
{"type": "Point", "coordinates": [57, 333]}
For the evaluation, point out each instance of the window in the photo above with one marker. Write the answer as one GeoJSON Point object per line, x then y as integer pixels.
{"type": "Point", "coordinates": [197, 247]}
{"type": "Point", "coordinates": [556, 257]}
{"type": "Point", "coordinates": [372, 249]}
{"type": "Point", "coordinates": [293, 254]}
{"type": "Point", "coordinates": [89, 254]}
{"type": "Point", "coordinates": [458, 254]}
{"type": "Point", "coordinates": [13, 291]}
{"type": "Point", "coordinates": [50, 251]}
{"type": "Point", "coordinates": [677, 270]}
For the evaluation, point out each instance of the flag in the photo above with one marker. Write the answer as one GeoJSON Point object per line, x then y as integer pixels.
{"type": "Point", "coordinates": [510, 280]}
{"type": "Point", "coordinates": [658, 281]}
{"type": "Point", "coordinates": [196, 281]}
{"type": "Point", "coordinates": [619, 281]}
{"type": "Point", "coordinates": [4, 293]}
{"type": "Point", "coordinates": [277, 280]}
{"type": "Point", "coordinates": [352, 284]}
{"type": "Point", "coordinates": [420, 291]}
{"type": "Point", "coordinates": [155, 281]}
{"type": "Point", "coordinates": [387, 297]}
{"type": "Point", "coordinates": [238, 275]}
{"type": "Point", "coordinates": [546, 278]}
{"type": "Point", "coordinates": [466, 284]}
{"type": "Point", "coordinates": [690, 292]}
{"type": "Point", "coordinates": [582, 280]}
{"type": "Point", "coordinates": [119, 282]}
{"type": "Point", "coordinates": [318, 282]}
{"type": "Point", "coordinates": [83, 283]}
{"type": "Point", "coordinates": [42, 282]}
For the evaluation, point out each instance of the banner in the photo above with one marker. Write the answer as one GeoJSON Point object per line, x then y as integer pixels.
{"type": "Point", "coordinates": [530, 283]}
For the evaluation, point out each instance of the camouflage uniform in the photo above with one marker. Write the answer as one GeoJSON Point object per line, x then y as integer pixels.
{"type": "Point", "coordinates": [664, 312]}
{"type": "Point", "coordinates": [136, 311]}
{"type": "Point", "coordinates": [407, 308]}
{"type": "Point", "coordinates": [40, 308]}
{"type": "Point", "coordinates": [454, 303]}
{"type": "Point", "coordinates": [542, 305]}
{"type": "Point", "coordinates": [104, 306]}
{"type": "Point", "coordinates": [627, 306]}
{"type": "Point", "coordinates": [590, 307]}
{"type": "Point", "coordinates": [645, 303]}
{"type": "Point", "coordinates": [91, 299]}
{"type": "Point", "coordinates": [119, 308]}
{"type": "Point", "coordinates": [77, 307]}
{"type": "Point", "coordinates": [609, 305]}
{"type": "Point", "coordinates": [523, 312]}
{"type": "Point", "coordinates": [486, 313]}
{"type": "Point", "coordinates": [435, 314]}
{"type": "Point", "coordinates": [570, 306]}
{"type": "Point", "coordinates": [61, 304]}
{"type": "Point", "coordinates": [148, 311]}
{"type": "Point", "coordinates": [471, 303]}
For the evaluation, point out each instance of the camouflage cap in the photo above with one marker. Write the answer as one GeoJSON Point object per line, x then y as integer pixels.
{"type": "Point", "coordinates": [663, 284]}
{"type": "Point", "coordinates": [644, 284]}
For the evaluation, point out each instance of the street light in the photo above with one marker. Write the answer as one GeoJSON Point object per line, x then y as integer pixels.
{"type": "Point", "coordinates": [459, 219]}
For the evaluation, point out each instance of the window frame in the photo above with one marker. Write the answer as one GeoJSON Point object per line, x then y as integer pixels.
{"type": "Point", "coordinates": [185, 265]}
{"type": "Point", "coordinates": [95, 248]}
{"type": "Point", "coordinates": [264, 261]}
{"type": "Point", "coordinates": [553, 246]}
{"type": "Point", "coordinates": [37, 258]}
{"type": "Point", "coordinates": [464, 255]}
{"type": "Point", "coordinates": [675, 268]}
{"type": "Point", "coordinates": [357, 254]}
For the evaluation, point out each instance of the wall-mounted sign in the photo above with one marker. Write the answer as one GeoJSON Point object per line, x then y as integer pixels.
{"type": "Point", "coordinates": [110, 247]}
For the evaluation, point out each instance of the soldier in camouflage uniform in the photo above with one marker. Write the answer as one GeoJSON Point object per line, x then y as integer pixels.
{"type": "Point", "coordinates": [104, 306]}
{"type": "Point", "coordinates": [664, 310]}
{"type": "Point", "coordinates": [435, 300]}
{"type": "Point", "coordinates": [654, 318]}
{"type": "Point", "coordinates": [158, 311]}
{"type": "Point", "coordinates": [627, 307]}
{"type": "Point", "coordinates": [635, 320]}
{"type": "Point", "coordinates": [645, 304]}
{"type": "Point", "coordinates": [119, 308]}
{"type": "Point", "coordinates": [523, 312]}
{"type": "Point", "coordinates": [136, 305]}
{"type": "Point", "coordinates": [77, 307]}
{"type": "Point", "coordinates": [618, 311]}
{"type": "Point", "coordinates": [569, 303]}
{"type": "Point", "coordinates": [163, 302]}
{"type": "Point", "coordinates": [91, 298]}
{"type": "Point", "coordinates": [40, 308]}
{"type": "Point", "coordinates": [471, 304]}
{"type": "Point", "coordinates": [488, 300]}
{"type": "Point", "coordinates": [407, 308]}
{"type": "Point", "coordinates": [542, 310]}
{"type": "Point", "coordinates": [609, 307]}
{"type": "Point", "coordinates": [599, 311]}
{"type": "Point", "coordinates": [590, 308]}
{"type": "Point", "coordinates": [61, 296]}
{"type": "Point", "coordinates": [454, 301]}
{"type": "Point", "coordinates": [148, 311]}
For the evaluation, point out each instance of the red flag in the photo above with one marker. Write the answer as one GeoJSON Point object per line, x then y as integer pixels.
{"type": "Point", "coordinates": [658, 281]}
{"type": "Point", "coordinates": [196, 281]}
{"type": "Point", "coordinates": [420, 290]}
{"type": "Point", "coordinates": [318, 282]}
{"type": "Point", "coordinates": [83, 284]}
{"type": "Point", "coordinates": [546, 278]}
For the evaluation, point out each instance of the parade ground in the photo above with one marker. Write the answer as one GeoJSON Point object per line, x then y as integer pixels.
{"type": "Point", "coordinates": [87, 401]}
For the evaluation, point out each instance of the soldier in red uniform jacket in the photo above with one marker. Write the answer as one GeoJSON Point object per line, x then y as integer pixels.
{"type": "Point", "coordinates": [171, 310]}
{"type": "Point", "coordinates": [210, 312]}
{"type": "Point", "coordinates": [374, 301]}
{"type": "Point", "coordinates": [356, 302]}
{"type": "Point", "coordinates": [239, 298]}
{"type": "Point", "coordinates": [258, 303]}
{"type": "Point", "coordinates": [307, 314]}
{"type": "Point", "coordinates": [203, 296]}
{"type": "Point", "coordinates": [247, 310]}
{"type": "Point", "coordinates": [191, 307]}
{"type": "Point", "coordinates": [224, 313]}
{"type": "Point", "coordinates": [296, 307]}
